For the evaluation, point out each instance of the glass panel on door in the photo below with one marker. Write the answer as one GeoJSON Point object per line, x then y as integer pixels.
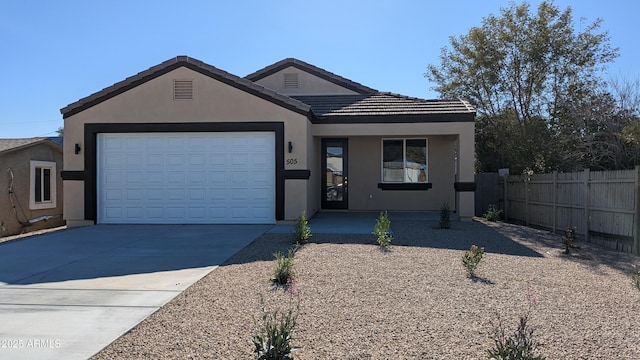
{"type": "Point", "coordinates": [335, 179]}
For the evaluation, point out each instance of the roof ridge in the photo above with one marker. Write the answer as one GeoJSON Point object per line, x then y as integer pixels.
{"type": "Point", "coordinates": [314, 70]}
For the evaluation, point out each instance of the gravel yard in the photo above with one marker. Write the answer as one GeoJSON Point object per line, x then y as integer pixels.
{"type": "Point", "coordinates": [412, 302]}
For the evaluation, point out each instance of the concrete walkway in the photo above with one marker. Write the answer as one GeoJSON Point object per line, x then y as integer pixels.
{"type": "Point", "coordinates": [68, 294]}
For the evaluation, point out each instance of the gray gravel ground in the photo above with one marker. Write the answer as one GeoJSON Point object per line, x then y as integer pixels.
{"type": "Point", "coordinates": [412, 302]}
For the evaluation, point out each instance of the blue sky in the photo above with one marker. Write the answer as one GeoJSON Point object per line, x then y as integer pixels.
{"type": "Point", "coordinates": [56, 52]}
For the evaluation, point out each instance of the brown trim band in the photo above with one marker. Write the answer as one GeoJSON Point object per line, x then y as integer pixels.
{"type": "Point", "coordinates": [405, 186]}
{"type": "Point", "coordinates": [465, 186]}
{"type": "Point", "coordinates": [91, 132]}
{"type": "Point", "coordinates": [297, 174]}
{"type": "Point", "coordinates": [72, 175]}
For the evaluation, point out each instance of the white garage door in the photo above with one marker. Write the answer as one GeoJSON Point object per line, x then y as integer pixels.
{"type": "Point", "coordinates": [180, 178]}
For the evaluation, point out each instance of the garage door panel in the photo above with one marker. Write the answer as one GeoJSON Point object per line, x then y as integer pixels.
{"type": "Point", "coordinates": [154, 161]}
{"type": "Point", "coordinates": [175, 177]}
{"type": "Point", "coordinates": [114, 195]}
{"type": "Point", "coordinates": [175, 160]}
{"type": "Point", "coordinates": [175, 194]}
{"type": "Point", "coordinates": [156, 195]}
{"type": "Point", "coordinates": [155, 213]}
{"type": "Point", "coordinates": [186, 178]}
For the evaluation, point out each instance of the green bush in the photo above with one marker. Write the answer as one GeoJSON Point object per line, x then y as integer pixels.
{"type": "Point", "coordinates": [302, 231]}
{"type": "Point", "coordinates": [445, 222]}
{"type": "Point", "coordinates": [382, 230]}
{"type": "Point", "coordinates": [471, 259]}
{"type": "Point", "coordinates": [274, 333]}
{"type": "Point", "coordinates": [493, 213]}
{"type": "Point", "coordinates": [283, 273]}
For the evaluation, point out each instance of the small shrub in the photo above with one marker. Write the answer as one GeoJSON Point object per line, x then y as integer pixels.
{"type": "Point", "coordinates": [283, 271]}
{"type": "Point", "coordinates": [471, 259]}
{"type": "Point", "coordinates": [381, 230]}
{"type": "Point", "coordinates": [445, 222]}
{"type": "Point", "coordinates": [2, 227]}
{"type": "Point", "coordinates": [569, 239]}
{"type": "Point", "coordinates": [635, 275]}
{"type": "Point", "coordinates": [493, 213]}
{"type": "Point", "coordinates": [520, 345]}
{"type": "Point", "coordinates": [302, 231]}
{"type": "Point", "coordinates": [274, 333]}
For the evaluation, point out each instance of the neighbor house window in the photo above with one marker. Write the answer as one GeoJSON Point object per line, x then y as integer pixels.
{"type": "Point", "coordinates": [43, 185]}
{"type": "Point", "coordinates": [404, 160]}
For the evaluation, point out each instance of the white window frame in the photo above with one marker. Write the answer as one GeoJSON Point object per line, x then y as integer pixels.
{"type": "Point", "coordinates": [36, 204]}
{"type": "Point", "coordinates": [404, 159]}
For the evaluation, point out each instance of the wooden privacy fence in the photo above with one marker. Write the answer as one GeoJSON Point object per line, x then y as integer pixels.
{"type": "Point", "coordinates": [602, 205]}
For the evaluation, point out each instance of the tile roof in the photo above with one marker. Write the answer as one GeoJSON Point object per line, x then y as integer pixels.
{"type": "Point", "coordinates": [193, 64]}
{"type": "Point", "coordinates": [369, 105]}
{"type": "Point", "coordinates": [385, 106]}
{"type": "Point", "coordinates": [7, 145]}
{"type": "Point", "coordinates": [312, 69]}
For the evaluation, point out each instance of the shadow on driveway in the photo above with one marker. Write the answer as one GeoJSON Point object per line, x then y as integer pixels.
{"type": "Point", "coordinates": [104, 251]}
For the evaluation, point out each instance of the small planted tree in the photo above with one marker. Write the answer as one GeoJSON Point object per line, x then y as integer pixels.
{"type": "Point", "coordinates": [302, 231]}
{"type": "Point", "coordinates": [283, 273]}
{"type": "Point", "coordinates": [382, 230]}
{"type": "Point", "coordinates": [471, 259]}
{"type": "Point", "coordinates": [445, 213]}
{"type": "Point", "coordinates": [569, 239]}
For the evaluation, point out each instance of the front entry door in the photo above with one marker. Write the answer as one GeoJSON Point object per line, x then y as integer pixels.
{"type": "Point", "coordinates": [335, 190]}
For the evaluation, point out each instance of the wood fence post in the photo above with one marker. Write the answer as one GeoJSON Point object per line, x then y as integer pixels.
{"type": "Point", "coordinates": [526, 199]}
{"type": "Point", "coordinates": [636, 214]}
{"type": "Point", "coordinates": [506, 197]}
{"type": "Point", "coordinates": [587, 200]}
{"type": "Point", "coordinates": [555, 200]}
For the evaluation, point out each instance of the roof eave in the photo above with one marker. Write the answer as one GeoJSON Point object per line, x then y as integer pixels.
{"type": "Point", "coordinates": [45, 141]}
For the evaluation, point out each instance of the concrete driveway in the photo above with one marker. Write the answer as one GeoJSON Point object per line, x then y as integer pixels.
{"type": "Point", "coordinates": [68, 294]}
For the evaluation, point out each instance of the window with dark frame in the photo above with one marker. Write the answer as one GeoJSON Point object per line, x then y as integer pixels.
{"type": "Point", "coordinates": [404, 161]}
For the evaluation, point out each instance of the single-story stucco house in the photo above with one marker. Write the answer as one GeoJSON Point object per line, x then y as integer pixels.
{"type": "Point", "coordinates": [31, 197]}
{"type": "Point", "coordinates": [185, 142]}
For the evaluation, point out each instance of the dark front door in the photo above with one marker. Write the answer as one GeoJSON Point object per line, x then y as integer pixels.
{"type": "Point", "coordinates": [335, 188]}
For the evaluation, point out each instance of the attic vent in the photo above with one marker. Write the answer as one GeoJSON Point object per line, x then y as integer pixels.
{"type": "Point", "coordinates": [291, 81]}
{"type": "Point", "coordinates": [182, 89]}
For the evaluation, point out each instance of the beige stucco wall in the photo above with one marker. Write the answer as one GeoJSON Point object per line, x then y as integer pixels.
{"type": "Point", "coordinates": [19, 163]}
{"type": "Point", "coordinates": [213, 101]}
{"type": "Point", "coordinates": [307, 84]}
{"type": "Point", "coordinates": [365, 173]}
{"type": "Point", "coordinates": [364, 164]}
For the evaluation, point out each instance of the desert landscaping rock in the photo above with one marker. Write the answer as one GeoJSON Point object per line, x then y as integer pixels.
{"type": "Point", "coordinates": [412, 302]}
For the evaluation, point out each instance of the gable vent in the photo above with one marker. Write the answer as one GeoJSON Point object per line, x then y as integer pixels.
{"type": "Point", "coordinates": [182, 89]}
{"type": "Point", "coordinates": [291, 80]}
